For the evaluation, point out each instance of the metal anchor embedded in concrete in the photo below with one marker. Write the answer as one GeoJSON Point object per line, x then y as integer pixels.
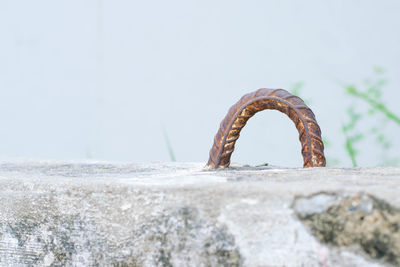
{"type": "Point", "coordinates": [278, 99]}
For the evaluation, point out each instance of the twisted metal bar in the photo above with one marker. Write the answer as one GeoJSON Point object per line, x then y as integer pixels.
{"type": "Point", "coordinates": [278, 99]}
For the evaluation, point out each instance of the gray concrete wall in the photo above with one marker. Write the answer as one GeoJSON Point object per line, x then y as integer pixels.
{"type": "Point", "coordinates": [98, 213]}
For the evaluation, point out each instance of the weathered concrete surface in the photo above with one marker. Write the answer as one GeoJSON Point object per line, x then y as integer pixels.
{"type": "Point", "coordinates": [85, 214]}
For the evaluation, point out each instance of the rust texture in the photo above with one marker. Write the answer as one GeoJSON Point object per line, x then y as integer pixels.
{"type": "Point", "coordinates": [278, 99]}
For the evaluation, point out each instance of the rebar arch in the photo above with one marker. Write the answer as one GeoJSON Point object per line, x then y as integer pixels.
{"type": "Point", "coordinates": [277, 99]}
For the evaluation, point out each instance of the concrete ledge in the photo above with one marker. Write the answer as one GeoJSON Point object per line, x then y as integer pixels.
{"type": "Point", "coordinates": [85, 214]}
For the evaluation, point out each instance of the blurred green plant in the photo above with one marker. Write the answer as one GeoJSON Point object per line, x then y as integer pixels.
{"type": "Point", "coordinates": [376, 112]}
{"type": "Point", "coordinates": [372, 96]}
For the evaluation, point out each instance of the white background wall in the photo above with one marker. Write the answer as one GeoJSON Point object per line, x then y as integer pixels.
{"type": "Point", "coordinates": [101, 78]}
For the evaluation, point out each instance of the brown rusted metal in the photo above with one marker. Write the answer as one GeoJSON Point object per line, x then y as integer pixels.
{"type": "Point", "coordinates": [278, 99]}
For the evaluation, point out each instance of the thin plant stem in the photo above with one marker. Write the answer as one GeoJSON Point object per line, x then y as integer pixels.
{"type": "Point", "coordinates": [351, 151]}
{"type": "Point", "coordinates": [169, 146]}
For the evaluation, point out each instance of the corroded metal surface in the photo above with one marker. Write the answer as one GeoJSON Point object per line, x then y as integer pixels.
{"type": "Point", "coordinates": [278, 99]}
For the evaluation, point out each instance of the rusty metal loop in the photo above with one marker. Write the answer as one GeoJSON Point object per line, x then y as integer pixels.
{"type": "Point", "coordinates": [277, 99]}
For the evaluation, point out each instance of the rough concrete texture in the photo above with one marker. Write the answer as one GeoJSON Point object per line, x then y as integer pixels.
{"type": "Point", "coordinates": [358, 219]}
{"type": "Point", "coordinates": [103, 214]}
